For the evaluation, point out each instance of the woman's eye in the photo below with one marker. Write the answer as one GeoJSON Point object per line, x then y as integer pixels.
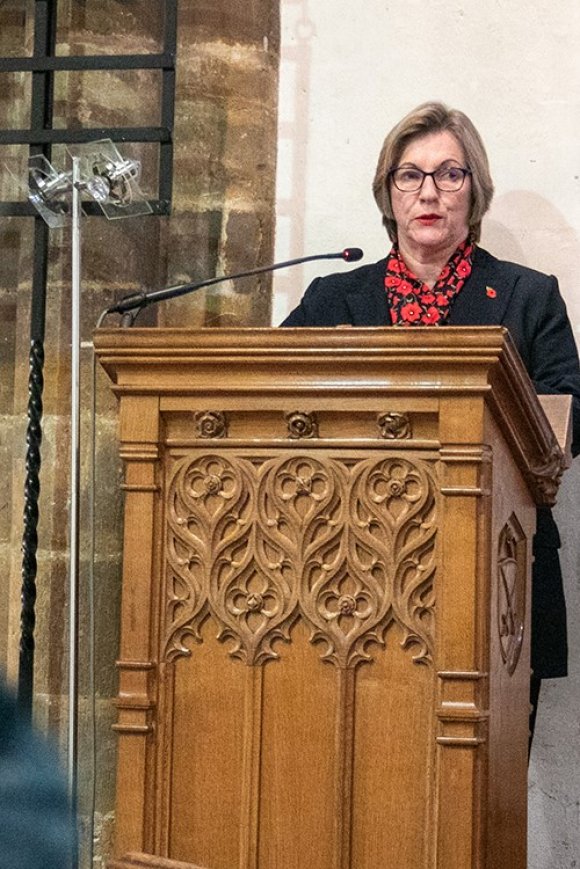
{"type": "Point", "coordinates": [452, 173]}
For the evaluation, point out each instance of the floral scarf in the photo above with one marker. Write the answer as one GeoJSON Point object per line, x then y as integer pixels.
{"type": "Point", "coordinates": [412, 302]}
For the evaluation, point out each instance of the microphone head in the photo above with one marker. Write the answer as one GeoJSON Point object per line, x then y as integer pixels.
{"type": "Point", "coordinates": [352, 254]}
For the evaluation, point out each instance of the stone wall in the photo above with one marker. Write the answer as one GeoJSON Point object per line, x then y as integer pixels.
{"type": "Point", "coordinates": [221, 222]}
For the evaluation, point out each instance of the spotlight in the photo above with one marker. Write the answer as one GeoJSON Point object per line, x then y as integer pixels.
{"type": "Point", "coordinates": [48, 190]}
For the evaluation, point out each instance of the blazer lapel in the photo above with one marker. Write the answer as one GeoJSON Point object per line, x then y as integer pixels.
{"type": "Point", "coordinates": [367, 301]}
{"type": "Point", "coordinates": [485, 296]}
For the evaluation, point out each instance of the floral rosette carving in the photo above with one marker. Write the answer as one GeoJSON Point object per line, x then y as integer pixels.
{"type": "Point", "coordinates": [379, 569]}
{"type": "Point", "coordinates": [345, 603]}
{"type": "Point", "coordinates": [301, 509]}
{"type": "Point", "coordinates": [394, 425]}
{"type": "Point", "coordinates": [301, 425]}
{"type": "Point", "coordinates": [211, 424]}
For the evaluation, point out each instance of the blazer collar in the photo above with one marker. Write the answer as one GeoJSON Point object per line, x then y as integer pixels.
{"type": "Point", "coordinates": [483, 299]}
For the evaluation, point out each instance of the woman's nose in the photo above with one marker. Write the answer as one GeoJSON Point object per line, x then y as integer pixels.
{"type": "Point", "coordinates": [428, 188]}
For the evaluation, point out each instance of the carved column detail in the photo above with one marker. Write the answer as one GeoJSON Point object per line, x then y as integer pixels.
{"type": "Point", "coordinates": [348, 546]}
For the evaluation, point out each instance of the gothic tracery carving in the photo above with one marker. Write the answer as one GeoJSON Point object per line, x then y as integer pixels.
{"type": "Point", "coordinates": [348, 546]}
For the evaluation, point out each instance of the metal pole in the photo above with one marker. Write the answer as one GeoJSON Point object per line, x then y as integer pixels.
{"type": "Point", "coordinates": [74, 485]}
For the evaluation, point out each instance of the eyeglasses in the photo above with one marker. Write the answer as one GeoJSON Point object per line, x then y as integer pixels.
{"type": "Point", "coordinates": [449, 179]}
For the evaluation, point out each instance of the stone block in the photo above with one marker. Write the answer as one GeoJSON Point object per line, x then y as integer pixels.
{"type": "Point", "coordinates": [16, 244]}
{"type": "Point", "coordinates": [7, 351]}
{"type": "Point", "coordinates": [252, 21]}
{"type": "Point", "coordinates": [52, 619]}
{"type": "Point", "coordinates": [192, 244]}
{"type": "Point", "coordinates": [15, 31]}
{"type": "Point", "coordinates": [111, 26]}
{"type": "Point", "coordinates": [248, 243]}
{"type": "Point", "coordinates": [105, 98]}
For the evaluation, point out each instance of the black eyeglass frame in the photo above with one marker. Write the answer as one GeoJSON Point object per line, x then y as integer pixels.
{"type": "Point", "coordinates": [465, 172]}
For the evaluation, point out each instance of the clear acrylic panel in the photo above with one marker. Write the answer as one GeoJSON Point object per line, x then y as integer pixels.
{"type": "Point", "coordinates": [111, 179]}
{"type": "Point", "coordinates": [49, 191]}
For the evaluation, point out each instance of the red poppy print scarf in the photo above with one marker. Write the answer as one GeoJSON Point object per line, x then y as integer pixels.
{"type": "Point", "coordinates": [412, 302]}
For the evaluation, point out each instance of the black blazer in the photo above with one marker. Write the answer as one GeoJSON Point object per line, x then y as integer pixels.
{"type": "Point", "coordinates": [529, 304]}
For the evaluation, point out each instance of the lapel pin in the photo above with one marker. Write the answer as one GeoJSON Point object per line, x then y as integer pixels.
{"type": "Point", "coordinates": [490, 292]}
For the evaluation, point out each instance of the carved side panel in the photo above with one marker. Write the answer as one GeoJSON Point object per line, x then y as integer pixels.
{"type": "Point", "coordinates": [512, 571]}
{"type": "Point", "coordinates": [204, 494]}
{"type": "Point", "coordinates": [349, 545]}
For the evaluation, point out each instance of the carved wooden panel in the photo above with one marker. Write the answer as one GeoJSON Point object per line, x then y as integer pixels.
{"type": "Point", "coordinates": [512, 573]}
{"type": "Point", "coordinates": [346, 544]}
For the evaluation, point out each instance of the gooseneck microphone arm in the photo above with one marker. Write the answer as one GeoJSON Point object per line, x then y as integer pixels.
{"type": "Point", "coordinates": [137, 301]}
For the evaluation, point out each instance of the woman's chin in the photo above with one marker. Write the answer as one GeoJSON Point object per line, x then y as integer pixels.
{"type": "Point", "coordinates": [433, 240]}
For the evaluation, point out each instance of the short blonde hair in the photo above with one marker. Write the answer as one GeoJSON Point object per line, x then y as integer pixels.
{"type": "Point", "coordinates": [429, 118]}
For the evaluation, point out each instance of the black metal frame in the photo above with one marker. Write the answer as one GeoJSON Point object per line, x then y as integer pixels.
{"type": "Point", "coordinates": [40, 137]}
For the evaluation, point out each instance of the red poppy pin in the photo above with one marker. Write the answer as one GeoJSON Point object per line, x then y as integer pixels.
{"type": "Point", "coordinates": [490, 292]}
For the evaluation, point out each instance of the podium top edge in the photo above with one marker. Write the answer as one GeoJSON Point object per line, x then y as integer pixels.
{"type": "Point", "coordinates": [265, 337]}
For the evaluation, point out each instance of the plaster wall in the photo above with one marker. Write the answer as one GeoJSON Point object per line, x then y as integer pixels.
{"type": "Point", "coordinates": [348, 73]}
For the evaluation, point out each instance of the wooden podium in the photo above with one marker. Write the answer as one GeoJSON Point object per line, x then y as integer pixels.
{"type": "Point", "coordinates": [325, 621]}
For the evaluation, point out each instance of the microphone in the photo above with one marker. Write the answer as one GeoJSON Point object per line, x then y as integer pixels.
{"type": "Point", "coordinates": [141, 300]}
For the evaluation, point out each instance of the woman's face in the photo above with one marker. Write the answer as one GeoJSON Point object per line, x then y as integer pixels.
{"type": "Point", "coordinates": [432, 223]}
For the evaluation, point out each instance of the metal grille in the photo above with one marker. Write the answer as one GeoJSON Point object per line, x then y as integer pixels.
{"type": "Point", "coordinates": [45, 63]}
{"type": "Point", "coordinates": [40, 137]}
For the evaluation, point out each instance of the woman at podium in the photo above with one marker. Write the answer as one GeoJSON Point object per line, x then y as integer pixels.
{"type": "Point", "coordinates": [433, 187]}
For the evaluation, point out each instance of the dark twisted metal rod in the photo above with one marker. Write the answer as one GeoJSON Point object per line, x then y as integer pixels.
{"type": "Point", "coordinates": [30, 535]}
{"type": "Point", "coordinates": [33, 463]}
{"type": "Point", "coordinates": [41, 113]}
